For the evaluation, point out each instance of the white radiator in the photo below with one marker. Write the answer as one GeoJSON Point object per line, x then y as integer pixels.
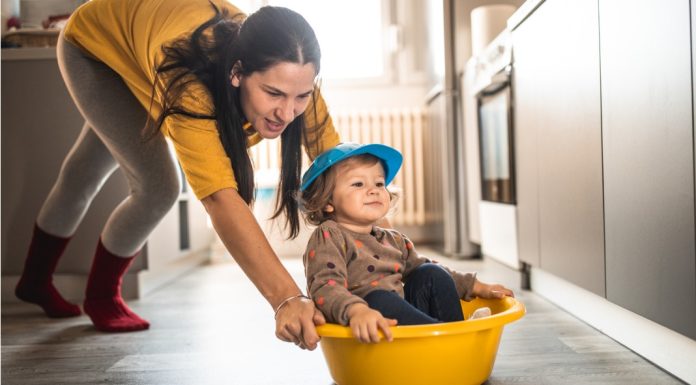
{"type": "Point", "coordinates": [401, 129]}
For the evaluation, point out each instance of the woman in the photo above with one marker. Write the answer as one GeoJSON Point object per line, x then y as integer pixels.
{"type": "Point", "coordinates": [214, 83]}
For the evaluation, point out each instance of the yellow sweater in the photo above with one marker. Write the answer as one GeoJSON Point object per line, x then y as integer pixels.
{"type": "Point", "coordinates": [127, 35]}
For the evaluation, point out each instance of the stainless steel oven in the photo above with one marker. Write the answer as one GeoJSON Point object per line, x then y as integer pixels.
{"type": "Point", "coordinates": [490, 94]}
{"type": "Point", "coordinates": [496, 138]}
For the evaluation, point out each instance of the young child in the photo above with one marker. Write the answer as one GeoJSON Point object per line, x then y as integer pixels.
{"type": "Point", "coordinates": [365, 276]}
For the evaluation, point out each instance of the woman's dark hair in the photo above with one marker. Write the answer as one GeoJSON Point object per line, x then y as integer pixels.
{"type": "Point", "coordinates": [267, 37]}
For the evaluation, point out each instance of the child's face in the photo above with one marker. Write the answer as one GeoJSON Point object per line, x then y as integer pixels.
{"type": "Point", "coordinates": [360, 197]}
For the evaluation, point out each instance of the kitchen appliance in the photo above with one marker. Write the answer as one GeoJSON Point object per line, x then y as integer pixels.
{"type": "Point", "coordinates": [491, 86]}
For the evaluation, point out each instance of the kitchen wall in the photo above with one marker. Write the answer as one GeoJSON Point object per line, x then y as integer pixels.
{"type": "Point", "coordinates": [8, 9]}
{"type": "Point", "coordinates": [33, 12]}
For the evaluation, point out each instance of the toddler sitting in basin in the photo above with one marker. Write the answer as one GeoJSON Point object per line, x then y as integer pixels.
{"type": "Point", "coordinates": [365, 276]}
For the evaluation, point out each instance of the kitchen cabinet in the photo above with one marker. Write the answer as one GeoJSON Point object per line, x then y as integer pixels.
{"type": "Point", "coordinates": [39, 126]}
{"type": "Point", "coordinates": [40, 123]}
{"type": "Point", "coordinates": [648, 159]}
{"type": "Point", "coordinates": [558, 136]}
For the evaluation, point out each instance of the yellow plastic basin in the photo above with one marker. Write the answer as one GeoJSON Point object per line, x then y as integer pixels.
{"type": "Point", "coordinates": [454, 353]}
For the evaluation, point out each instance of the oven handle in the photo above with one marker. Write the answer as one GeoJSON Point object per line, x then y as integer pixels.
{"type": "Point", "coordinates": [498, 82]}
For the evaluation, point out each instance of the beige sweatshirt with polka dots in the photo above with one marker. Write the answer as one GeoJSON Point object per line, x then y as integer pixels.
{"type": "Point", "coordinates": [343, 266]}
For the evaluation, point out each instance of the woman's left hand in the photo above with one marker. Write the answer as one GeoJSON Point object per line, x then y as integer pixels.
{"type": "Point", "coordinates": [491, 291]}
{"type": "Point", "coordinates": [295, 322]}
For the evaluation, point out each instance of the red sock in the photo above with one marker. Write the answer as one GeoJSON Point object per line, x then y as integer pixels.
{"type": "Point", "coordinates": [103, 302]}
{"type": "Point", "coordinates": [36, 284]}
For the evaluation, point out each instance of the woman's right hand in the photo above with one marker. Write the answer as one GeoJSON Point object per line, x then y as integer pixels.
{"type": "Point", "coordinates": [295, 322]}
{"type": "Point", "coordinates": [366, 323]}
{"type": "Point", "coordinates": [236, 225]}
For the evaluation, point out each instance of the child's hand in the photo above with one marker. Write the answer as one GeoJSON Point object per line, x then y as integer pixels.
{"type": "Point", "coordinates": [365, 323]}
{"type": "Point", "coordinates": [491, 291]}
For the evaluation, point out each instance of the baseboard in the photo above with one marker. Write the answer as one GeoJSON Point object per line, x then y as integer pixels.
{"type": "Point", "coordinates": [664, 347]}
{"type": "Point", "coordinates": [135, 284]}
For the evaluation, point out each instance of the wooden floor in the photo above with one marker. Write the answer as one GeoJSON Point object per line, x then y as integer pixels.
{"type": "Point", "coordinates": [212, 327]}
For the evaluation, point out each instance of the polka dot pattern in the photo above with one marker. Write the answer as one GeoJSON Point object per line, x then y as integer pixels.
{"type": "Point", "coordinates": [372, 262]}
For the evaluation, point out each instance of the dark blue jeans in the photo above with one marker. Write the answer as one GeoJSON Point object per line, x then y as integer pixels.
{"type": "Point", "coordinates": [431, 297]}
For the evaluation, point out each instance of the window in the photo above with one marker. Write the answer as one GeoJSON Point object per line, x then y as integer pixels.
{"type": "Point", "coordinates": [351, 35]}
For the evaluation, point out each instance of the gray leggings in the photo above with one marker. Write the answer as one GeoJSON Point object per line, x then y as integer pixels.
{"type": "Point", "coordinates": [111, 138]}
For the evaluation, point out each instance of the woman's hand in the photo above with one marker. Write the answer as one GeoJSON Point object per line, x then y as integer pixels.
{"type": "Point", "coordinates": [365, 323]}
{"type": "Point", "coordinates": [491, 291]}
{"type": "Point", "coordinates": [236, 225]}
{"type": "Point", "coordinates": [296, 320]}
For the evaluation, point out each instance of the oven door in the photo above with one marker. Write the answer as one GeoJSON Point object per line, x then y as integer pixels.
{"type": "Point", "coordinates": [496, 140]}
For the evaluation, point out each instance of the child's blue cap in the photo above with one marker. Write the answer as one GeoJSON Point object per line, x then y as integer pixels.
{"type": "Point", "coordinates": [391, 160]}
